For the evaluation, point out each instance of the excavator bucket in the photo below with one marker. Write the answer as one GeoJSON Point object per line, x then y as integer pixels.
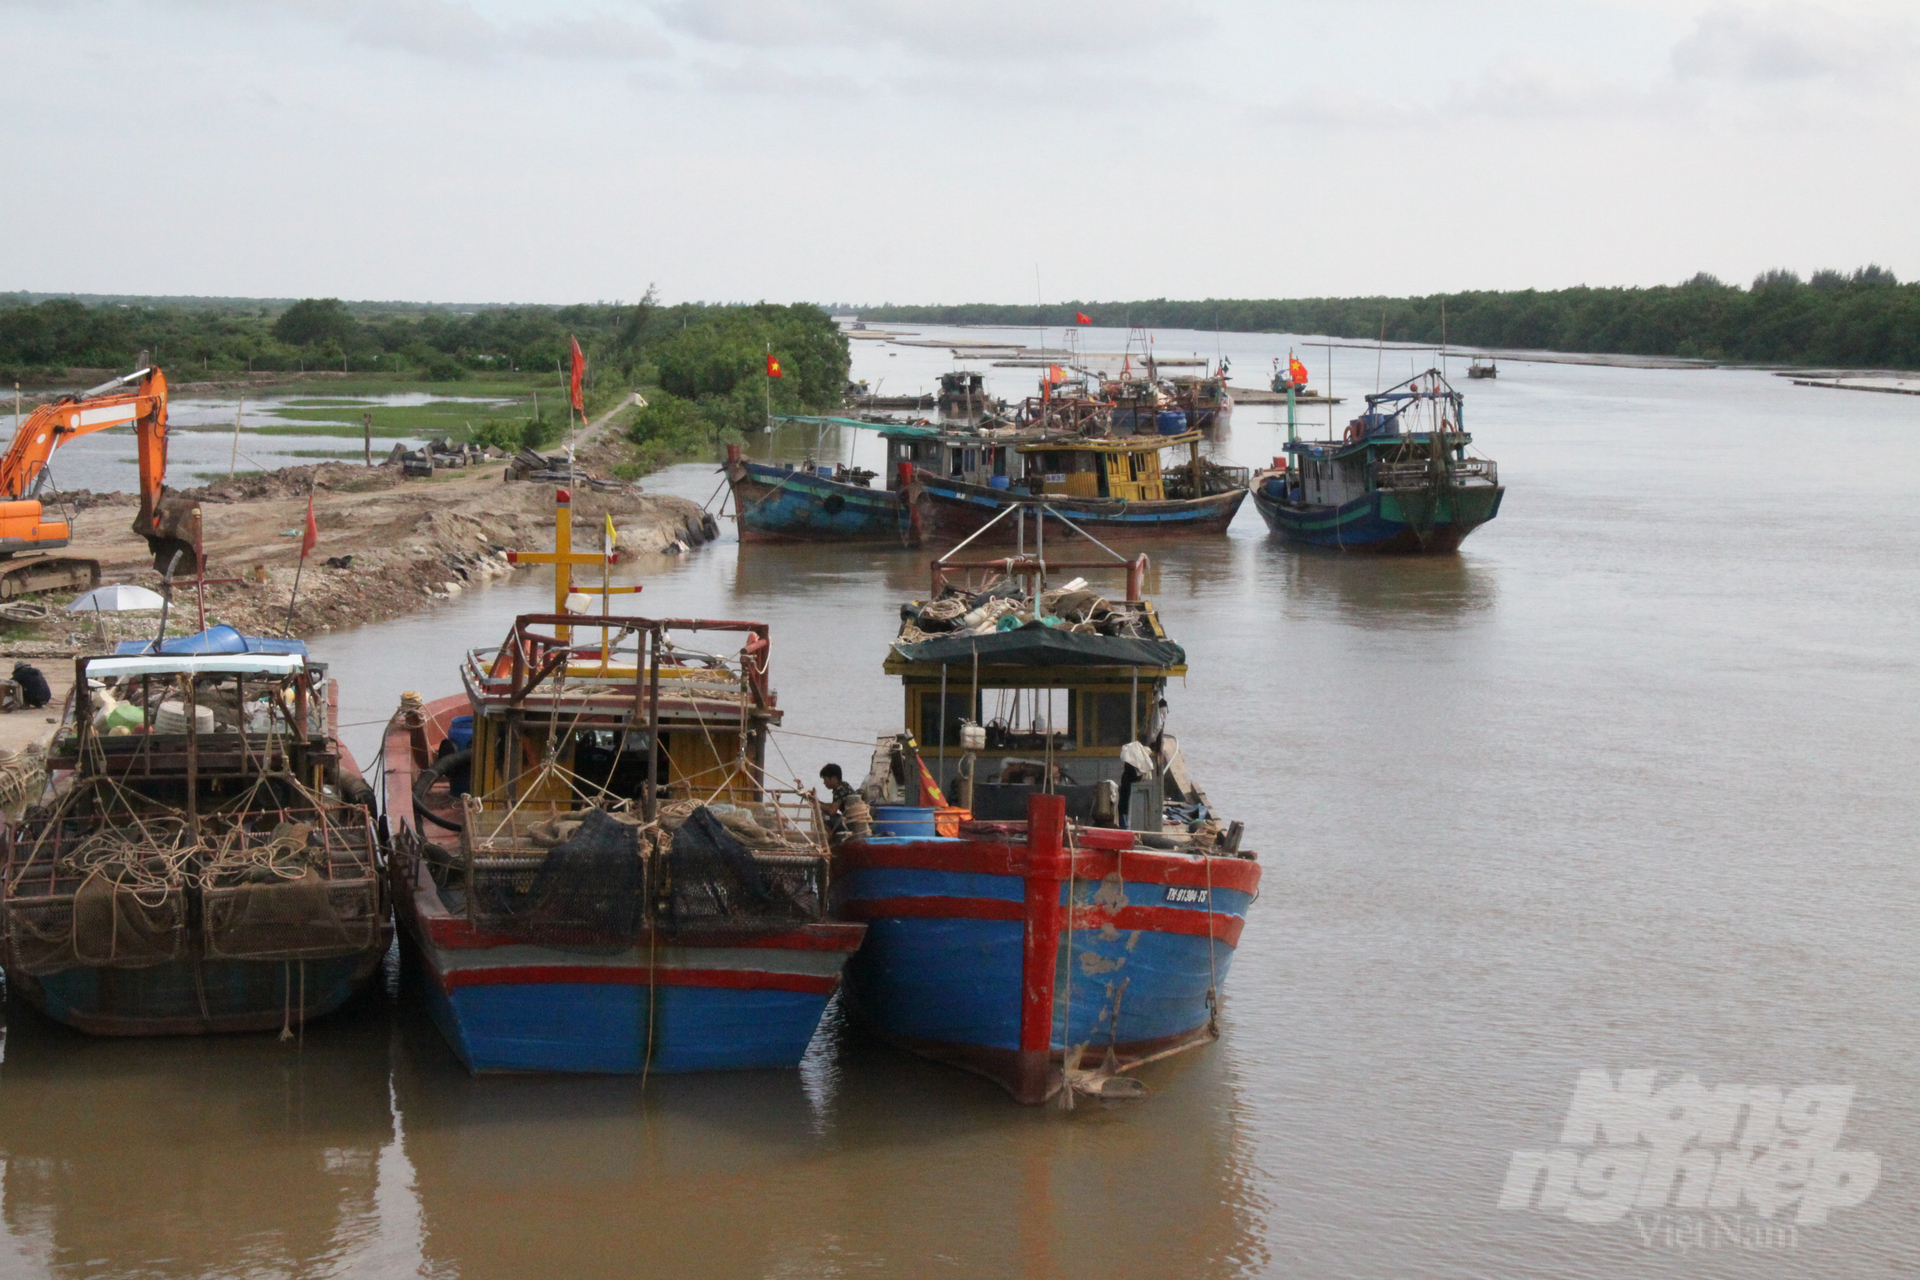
{"type": "Point", "coordinates": [168, 526]}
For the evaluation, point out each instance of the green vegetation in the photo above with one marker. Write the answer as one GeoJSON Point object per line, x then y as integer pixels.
{"type": "Point", "coordinates": [497, 372]}
{"type": "Point", "coordinates": [1862, 319]}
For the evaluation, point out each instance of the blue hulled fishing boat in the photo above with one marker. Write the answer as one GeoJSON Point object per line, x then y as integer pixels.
{"type": "Point", "coordinates": [1399, 480]}
{"type": "Point", "coordinates": [808, 502]}
{"type": "Point", "coordinates": [589, 865]}
{"type": "Point", "coordinates": [1073, 913]}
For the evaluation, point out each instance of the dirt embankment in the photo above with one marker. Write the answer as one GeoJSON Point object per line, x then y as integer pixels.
{"type": "Point", "coordinates": [387, 545]}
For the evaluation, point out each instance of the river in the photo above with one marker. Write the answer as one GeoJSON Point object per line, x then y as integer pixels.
{"type": "Point", "coordinates": [1627, 785]}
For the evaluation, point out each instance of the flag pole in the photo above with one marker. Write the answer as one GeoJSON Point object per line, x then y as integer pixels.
{"type": "Point", "coordinates": [301, 568]}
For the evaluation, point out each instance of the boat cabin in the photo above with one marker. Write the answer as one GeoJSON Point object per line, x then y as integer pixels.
{"type": "Point", "coordinates": [1125, 468]}
{"type": "Point", "coordinates": [557, 723]}
{"type": "Point", "coordinates": [1017, 688]}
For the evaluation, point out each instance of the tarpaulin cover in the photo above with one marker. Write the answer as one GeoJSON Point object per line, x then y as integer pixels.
{"type": "Point", "coordinates": [219, 638]}
{"type": "Point", "coordinates": [1038, 645]}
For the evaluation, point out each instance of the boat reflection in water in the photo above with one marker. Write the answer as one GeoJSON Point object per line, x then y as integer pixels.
{"type": "Point", "coordinates": [1388, 592]}
{"type": "Point", "coordinates": [866, 1160]}
{"type": "Point", "coordinates": [191, 1157]}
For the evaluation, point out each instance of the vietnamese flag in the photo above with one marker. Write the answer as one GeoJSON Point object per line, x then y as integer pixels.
{"type": "Point", "coordinates": [1081, 317]}
{"type": "Point", "coordinates": [773, 366]}
{"type": "Point", "coordinates": [1296, 371]}
{"type": "Point", "coordinates": [579, 367]}
{"type": "Point", "coordinates": [311, 536]}
{"type": "Point", "coordinates": [1056, 374]}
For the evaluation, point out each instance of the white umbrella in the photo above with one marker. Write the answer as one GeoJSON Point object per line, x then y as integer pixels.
{"type": "Point", "coordinates": [118, 598]}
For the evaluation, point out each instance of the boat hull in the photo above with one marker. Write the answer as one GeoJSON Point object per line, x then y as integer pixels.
{"type": "Point", "coordinates": [952, 510]}
{"type": "Point", "coordinates": [675, 1001]}
{"type": "Point", "coordinates": [774, 504]}
{"type": "Point", "coordinates": [973, 958]}
{"type": "Point", "coordinates": [1384, 522]}
{"type": "Point", "coordinates": [199, 997]}
{"type": "Point", "coordinates": [506, 1005]}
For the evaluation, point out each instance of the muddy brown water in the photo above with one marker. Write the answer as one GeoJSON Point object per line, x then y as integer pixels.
{"type": "Point", "coordinates": [1628, 784]}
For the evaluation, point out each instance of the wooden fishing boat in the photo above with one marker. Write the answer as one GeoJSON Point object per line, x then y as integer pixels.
{"type": "Point", "coordinates": [1115, 485]}
{"type": "Point", "coordinates": [1399, 480]}
{"type": "Point", "coordinates": [589, 864]}
{"type": "Point", "coordinates": [205, 859]}
{"type": "Point", "coordinates": [807, 503]}
{"type": "Point", "coordinates": [1073, 913]}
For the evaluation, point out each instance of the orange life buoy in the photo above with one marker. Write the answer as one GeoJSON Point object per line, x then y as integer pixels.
{"type": "Point", "coordinates": [1355, 432]}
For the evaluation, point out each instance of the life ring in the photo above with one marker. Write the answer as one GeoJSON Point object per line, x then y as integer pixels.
{"type": "Point", "coordinates": [1355, 433]}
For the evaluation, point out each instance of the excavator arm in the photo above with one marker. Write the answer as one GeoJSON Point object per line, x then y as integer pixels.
{"type": "Point", "coordinates": [138, 400]}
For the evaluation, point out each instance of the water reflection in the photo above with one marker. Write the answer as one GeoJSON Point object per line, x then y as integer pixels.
{"type": "Point", "coordinates": [864, 1159]}
{"type": "Point", "coordinates": [194, 1156]}
{"type": "Point", "coordinates": [1379, 592]}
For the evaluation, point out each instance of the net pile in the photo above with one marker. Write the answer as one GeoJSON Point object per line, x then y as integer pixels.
{"type": "Point", "coordinates": [117, 888]}
{"type": "Point", "coordinates": [595, 880]}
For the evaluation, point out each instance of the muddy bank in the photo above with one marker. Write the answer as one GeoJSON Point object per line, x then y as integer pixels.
{"type": "Point", "coordinates": [387, 545]}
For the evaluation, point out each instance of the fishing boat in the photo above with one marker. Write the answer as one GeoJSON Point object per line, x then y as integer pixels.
{"type": "Point", "coordinates": [1483, 368]}
{"type": "Point", "coordinates": [590, 865]}
{"type": "Point", "coordinates": [205, 857]}
{"type": "Point", "coordinates": [1206, 401]}
{"type": "Point", "coordinates": [944, 485]}
{"type": "Point", "coordinates": [1051, 899]}
{"type": "Point", "coordinates": [810, 502]}
{"type": "Point", "coordinates": [1115, 484]}
{"type": "Point", "coordinates": [1399, 479]}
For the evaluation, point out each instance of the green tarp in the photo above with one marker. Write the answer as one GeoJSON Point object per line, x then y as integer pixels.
{"type": "Point", "coordinates": [1038, 645]}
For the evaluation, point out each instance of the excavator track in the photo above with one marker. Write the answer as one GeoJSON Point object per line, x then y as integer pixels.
{"type": "Point", "coordinates": [46, 573]}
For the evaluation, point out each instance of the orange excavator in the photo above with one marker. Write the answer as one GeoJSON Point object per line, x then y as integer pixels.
{"type": "Point", "coordinates": [138, 400]}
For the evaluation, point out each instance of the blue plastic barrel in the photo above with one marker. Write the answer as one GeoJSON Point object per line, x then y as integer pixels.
{"type": "Point", "coordinates": [1172, 422]}
{"type": "Point", "coordinates": [460, 732]}
{"type": "Point", "coordinates": [998, 482]}
{"type": "Point", "coordinates": [903, 820]}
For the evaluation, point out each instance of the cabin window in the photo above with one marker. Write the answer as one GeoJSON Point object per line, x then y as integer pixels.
{"type": "Point", "coordinates": [957, 469]}
{"type": "Point", "coordinates": [937, 731]}
{"type": "Point", "coordinates": [999, 462]}
{"type": "Point", "coordinates": [616, 761]}
{"type": "Point", "coordinates": [973, 461]}
{"type": "Point", "coordinates": [1106, 719]}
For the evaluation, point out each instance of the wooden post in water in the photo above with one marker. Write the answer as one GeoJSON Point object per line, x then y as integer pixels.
{"type": "Point", "coordinates": [1040, 949]}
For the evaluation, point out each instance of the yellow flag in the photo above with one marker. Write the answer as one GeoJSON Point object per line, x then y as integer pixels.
{"type": "Point", "coordinates": [610, 532]}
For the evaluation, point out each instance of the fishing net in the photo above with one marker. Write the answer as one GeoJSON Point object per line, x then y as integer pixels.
{"type": "Point", "coordinates": [716, 880]}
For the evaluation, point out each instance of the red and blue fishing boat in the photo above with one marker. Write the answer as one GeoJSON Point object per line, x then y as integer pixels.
{"type": "Point", "coordinates": [1400, 478]}
{"type": "Point", "coordinates": [1073, 913]}
{"type": "Point", "coordinates": [591, 868]}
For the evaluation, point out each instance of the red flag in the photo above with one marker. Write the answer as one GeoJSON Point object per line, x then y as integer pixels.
{"type": "Point", "coordinates": [773, 366]}
{"type": "Point", "coordinates": [579, 367]}
{"type": "Point", "coordinates": [1081, 317]}
{"type": "Point", "coordinates": [312, 534]}
{"type": "Point", "coordinates": [1296, 371]}
{"type": "Point", "coordinates": [1056, 374]}
{"type": "Point", "coordinates": [929, 789]}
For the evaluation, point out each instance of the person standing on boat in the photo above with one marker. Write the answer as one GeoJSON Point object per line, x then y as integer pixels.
{"type": "Point", "coordinates": [1136, 762]}
{"type": "Point", "coordinates": [844, 812]}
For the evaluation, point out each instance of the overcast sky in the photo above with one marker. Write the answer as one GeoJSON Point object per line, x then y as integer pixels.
{"type": "Point", "coordinates": [876, 150]}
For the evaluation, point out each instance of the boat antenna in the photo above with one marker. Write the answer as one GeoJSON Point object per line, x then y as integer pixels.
{"type": "Point", "coordinates": [1380, 349]}
{"type": "Point", "coordinates": [1443, 335]}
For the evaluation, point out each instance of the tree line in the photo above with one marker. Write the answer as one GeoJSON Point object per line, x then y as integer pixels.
{"type": "Point", "coordinates": [1860, 319]}
{"type": "Point", "coordinates": [708, 361]}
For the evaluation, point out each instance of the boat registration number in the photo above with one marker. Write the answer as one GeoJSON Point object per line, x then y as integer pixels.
{"type": "Point", "coordinates": [1056, 477]}
{"type": "Point", "coordinates": [1185, 894]}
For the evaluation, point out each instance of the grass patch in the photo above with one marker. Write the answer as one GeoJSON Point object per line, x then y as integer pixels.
{"type": "Point", "coordinates": [325, 402]}
{"type": "Point", "coordinates": [437, 418]}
